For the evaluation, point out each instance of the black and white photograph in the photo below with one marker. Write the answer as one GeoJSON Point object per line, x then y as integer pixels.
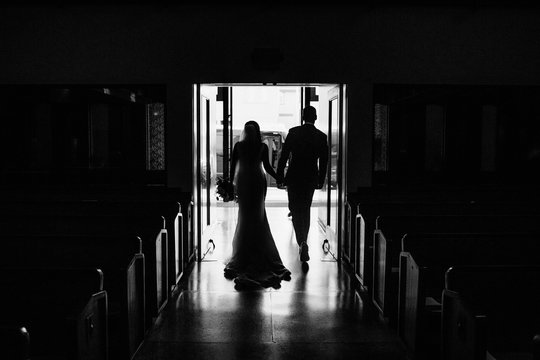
{"type": "Point", "coordinates": [277, 180]}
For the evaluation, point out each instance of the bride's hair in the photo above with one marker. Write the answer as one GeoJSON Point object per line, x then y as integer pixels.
{"type": "Point", "coordinates": [252, 133]}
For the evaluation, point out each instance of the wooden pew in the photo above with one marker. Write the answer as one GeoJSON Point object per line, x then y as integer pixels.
{"type": "Point", "coordinates": [372, 266]}
{"type": "Point", "coordinates": [114, 192]}
{"type": "Point", "coordinates": [14, 342]}
{"type": "Point", "coordinates": [353, 244]}
{"type": "Point", "coordinates": [181, 241]}
{"type": "Point", "coordinates": [423, 263]}
{"type": "Point", "coordinates": [348, 251]}
{"type": "Point", "coordinates": [363, 249]}
{"type": "Point", "coordinates": [151, 230]}
{"type": "Point", "coordinates": [491, 312]}
{"type": "Point", "coordinates": [188, 233]}
{"type": "Point", "coordinates": [152, 202]}
{"type": "Point", "coordinates": [402, 200]}
{"type": "Point", "coordinates": [65, 311]}
{"type": "Point", "coordinates": [120, 259]}
{"type": "Point", "coordinates": [390, 229]}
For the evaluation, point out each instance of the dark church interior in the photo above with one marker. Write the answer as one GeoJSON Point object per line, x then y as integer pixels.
{"type": "Point", "coordinates": [430, 225]}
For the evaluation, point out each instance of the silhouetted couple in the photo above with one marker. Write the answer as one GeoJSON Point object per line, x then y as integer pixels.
{"type": "Point", "coordinates": [255, 260]}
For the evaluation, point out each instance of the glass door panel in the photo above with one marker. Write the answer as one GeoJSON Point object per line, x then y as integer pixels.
{"type": "Point", "coordinates": [333, 170]}
{"type": "Point", "coordinates": [204, 164]}
{"type": "Point", "coordinates": [332, 176]}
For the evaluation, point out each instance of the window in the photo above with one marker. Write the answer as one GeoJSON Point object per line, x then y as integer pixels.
{"type": "Point", "coordinates": [155, 136]}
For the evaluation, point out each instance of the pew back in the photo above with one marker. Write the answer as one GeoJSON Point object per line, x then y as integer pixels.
{"type": "Point", "coordinates": [372, 203]}
{"type": "Point", "coordinates": [110, 200]}
{"type": "Point", "coordinates": [120, 259]}
{"type": "Point", "coordinates": [390, 229]}
{"type": "Point", "coordinates": [151, 230]}
{"type": "Point", "coordinates": [424, 261]}
{"type": "Point", "coordinates": [490, 309]}
{"type": "Point", "coordinates": [65, 310]}
{"type": "Point", "coordinates": [14, 342]}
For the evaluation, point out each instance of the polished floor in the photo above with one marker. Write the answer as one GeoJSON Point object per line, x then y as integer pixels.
{"type": "Point", "coordinates": [314, 316]}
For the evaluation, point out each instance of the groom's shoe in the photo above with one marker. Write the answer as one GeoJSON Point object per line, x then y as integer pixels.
{"type": "Point", "coordinates": [304, 252]}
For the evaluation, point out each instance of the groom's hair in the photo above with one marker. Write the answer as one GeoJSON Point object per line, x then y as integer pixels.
{"type": "Point", "coordinates": [309, 114]}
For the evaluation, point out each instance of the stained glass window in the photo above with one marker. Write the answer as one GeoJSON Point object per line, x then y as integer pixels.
{"type": "Point", "coordinates": [381, 137]}
{"type": "Point", "coordinates": [155, 136]}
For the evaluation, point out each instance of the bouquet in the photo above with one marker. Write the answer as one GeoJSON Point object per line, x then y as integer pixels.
{"type": "Point", "coordinates": [224, 190]}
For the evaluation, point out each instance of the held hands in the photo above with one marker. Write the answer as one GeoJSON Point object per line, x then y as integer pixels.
{"type": "Point", "coordinates": [281, 184]}
{"type": "Point", "coordinates": [280, 181]}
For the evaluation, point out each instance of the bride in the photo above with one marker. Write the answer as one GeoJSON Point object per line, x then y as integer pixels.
{"type": "Point", "coordinates": [255, 260]}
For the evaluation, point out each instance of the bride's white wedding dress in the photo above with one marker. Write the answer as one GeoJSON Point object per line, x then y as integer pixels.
{"type": "Point", "coordinates": [255, 260]}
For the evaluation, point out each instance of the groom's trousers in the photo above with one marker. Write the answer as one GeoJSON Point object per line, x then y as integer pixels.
{"type": "Point", "coordinates": [300, 198]}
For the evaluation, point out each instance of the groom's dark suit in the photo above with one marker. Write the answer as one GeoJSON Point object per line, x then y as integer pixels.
{"type": "Point", "coordinates": [306, 150]}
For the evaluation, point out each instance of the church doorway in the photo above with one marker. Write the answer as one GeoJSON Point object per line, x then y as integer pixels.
{"type": "Point", "coordinates": [220, 112]}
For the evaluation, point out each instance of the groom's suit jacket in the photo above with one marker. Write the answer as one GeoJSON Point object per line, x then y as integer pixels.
{"type": "Point", "coordinates": [306, 150]}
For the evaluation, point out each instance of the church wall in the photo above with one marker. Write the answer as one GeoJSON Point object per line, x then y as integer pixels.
{"type": "Point", "coordinates": [181, 45]}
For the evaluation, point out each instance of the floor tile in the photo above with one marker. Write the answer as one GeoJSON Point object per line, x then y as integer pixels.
{"type": "Point", "coordinates": [315, 315]}
{"type": "Point", "coordinates": [271, 351]}
{"type": "Point", "coordinates": [200, 316]}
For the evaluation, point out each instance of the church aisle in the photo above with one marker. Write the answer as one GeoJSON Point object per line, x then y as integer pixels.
{"type": "Point", "coordinates": [314, 316]}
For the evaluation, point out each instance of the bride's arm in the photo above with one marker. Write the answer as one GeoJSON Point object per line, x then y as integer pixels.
{"type": "Point", "coordinates": [269, 169]}
{"type": "Point", "coordinates": [234, 160]}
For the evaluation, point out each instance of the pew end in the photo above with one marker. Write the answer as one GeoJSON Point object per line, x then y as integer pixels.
{"type": "Point", "coordinates": [536, 347]}
{"type": "Point", "coordinates": [14, 342]}
{"type": "Point", "coordinates": [463, 330]}
{"type": "Point", "coordinates": [413, 302]}
{"type": "Point", "coordinates": [385, 277]}
{"type": "Point", "coordinates": [123, 265]}
{"type": "Point", "coordinates": [361, 248]}
{"type": "Point", "coordinates": [68, 320]}
{"type": "Point", "coordinates": [491, 312]}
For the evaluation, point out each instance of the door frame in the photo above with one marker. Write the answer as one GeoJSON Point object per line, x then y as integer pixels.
{"type": "Point", "coordinates": [342, 154]}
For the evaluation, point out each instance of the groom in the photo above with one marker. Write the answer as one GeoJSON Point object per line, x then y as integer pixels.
{"type": "Point", "coordinates": [306, 150]}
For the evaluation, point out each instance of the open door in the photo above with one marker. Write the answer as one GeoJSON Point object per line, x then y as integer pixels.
{"type": "Point", "coordinates": [214, 136]}
{"type": "Point", "coordinates": [206, 172]}
{"type": "Point", "coordinates": [334, 187]}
